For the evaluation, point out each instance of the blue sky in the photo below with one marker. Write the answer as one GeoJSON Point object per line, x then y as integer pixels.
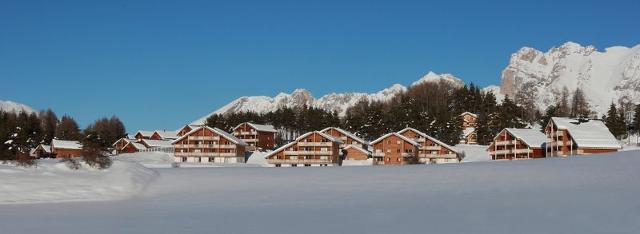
{"type": "Point", "coordinates": [161, 64]}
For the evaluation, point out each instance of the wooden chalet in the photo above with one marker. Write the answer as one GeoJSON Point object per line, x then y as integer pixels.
{"type": "Point", "coordinates": [310, 149]}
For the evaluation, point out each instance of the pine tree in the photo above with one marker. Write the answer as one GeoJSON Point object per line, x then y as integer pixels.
{"type": "Point", "coordinates": [579, 105]}
{"type": "Point", "coordinates": [636, 119]}
{"type": "Point", "coordinates": [68, 129]}
{"type": "Point", "coordinates": [49, 122]}
{"type": "Point", "coordinates": [563, 109]}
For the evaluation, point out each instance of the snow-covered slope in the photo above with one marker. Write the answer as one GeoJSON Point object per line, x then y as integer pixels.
{"type": "Point", "coordinates": [605, 76]}
{"type": "Point", "coordinates": [52, 181]}
{"type": "Point", "coordinates": [9, 106]}
{"type": "Point", "coordinates": [339, 102]}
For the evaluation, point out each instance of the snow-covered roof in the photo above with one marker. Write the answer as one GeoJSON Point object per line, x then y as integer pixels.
{"type": "Point", "coordinates": [532, 137]}
{"type": "Point", "coordinates": [589, 134]}
{"type": "Point", "coordinates": [357, 148]}
{"type": "Point", "coordinates": [167, 134]}
{"type": "Point", "coordinates": [468, 131]}
{"type": "Point", "coordinates": [61, 144]}
{"type": "Point", "coordinates": [136, 145]}
{"type": "Point", "coordinates": [156, 143]}
{"type": "Point", "coordinates": [347, 133]}
{"type": "Point", "coordinates": [469, 113]}
{"type": "Point", "coordinates": [218, 131]}
{"type": "Point", "coordinates": [46, 148]}
{"type": "Point", "coordinates": [126, 140]}
{"type": "Point", "coordinates": [259, 127]}
{"type": "Point", "coordinates": [331, 138]}
{"type": "Point", "coordinates": [396, 134]}
{"type": "Point", "coordinates": [428, 137]}
{"type": "Point", "coordinates": [145, 133]}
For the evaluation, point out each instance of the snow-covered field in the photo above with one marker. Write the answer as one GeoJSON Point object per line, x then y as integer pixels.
{"type": "Point", "coordinates": [585, 194]}
{"type": "Point", "coordinates": [52, 181]}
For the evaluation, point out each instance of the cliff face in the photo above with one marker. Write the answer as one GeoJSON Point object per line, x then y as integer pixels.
{"type": "Point", "coordinates": [605, 76]}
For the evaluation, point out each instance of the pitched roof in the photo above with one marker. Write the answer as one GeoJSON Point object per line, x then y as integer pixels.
{"type": "Point", "coordinates": [46, 148]}
{"type": "Point", "coordinates": [357, 148]}
{"type": "Point", "coordinates": [532, 137]}
{"type": "Point", "coordinates": [61, 144]}
{"type": "Point", "coordinates": [469, 113]}
{"type": "Point", "coordinates": [347, 133]}
{"type": "Point", "coordinates": [445, 145]}
{"type": "Point", "coordinates": [590, 134]}
{"type": "Point", "coordinates": [218, 131]}
{"type": "Point", "coordinates": [126, 140]}
{"type": "Point", "coordinates": [136, 145]}
{"type": "Point", "coordinates": [156, 143]}
{"type": "Point", "coordinates": [167, 134]}
{"type": "Point", "coordinates": [331, 138]}
{"type": "Point", "coordinates": [259, 127]}
{"type": "Point", "coordinates": [144, 133]}
{"type": "Point", "coordinates": [468, 131]}
{"type": "Point", "coordinates": [396, 134]}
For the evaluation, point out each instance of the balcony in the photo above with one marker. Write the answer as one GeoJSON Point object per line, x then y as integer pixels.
{"type": "Point", "coordinates": [207, 138]}
{"type": "Point", "coordinates": [500, 152]}
{"type": "Point", "coordinates": [378, 154]}
{"type": "Point", "coordinates": [299, 161]}
{"type": "Point", "coordinates": [438, 156]}
{"type": "Point", "coordinates": [302, 143]}
{"type": "Point", "coordinates": [250, 140]}
{"type": "Point", "coordinates": [432, 147]}
{"type": "Point", "coordinates": [505, 142]}
{"type": "Point", "coordinates": [205, 154]}
{"type": "Point", "coordinates": [203, 146]}
{"type": "Point", "coordinates": [292, 152]}
{"type": "Point", "coordinates": [246, 133]}
{"type": "Point", "coordinates": [522, 151]}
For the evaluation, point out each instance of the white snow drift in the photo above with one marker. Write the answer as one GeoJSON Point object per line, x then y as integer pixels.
{"type": "Point", "coordinates": [52, 181]}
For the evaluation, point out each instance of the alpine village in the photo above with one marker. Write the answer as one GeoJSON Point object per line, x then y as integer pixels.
{"type": "Point", "coordinates": [422, 125]}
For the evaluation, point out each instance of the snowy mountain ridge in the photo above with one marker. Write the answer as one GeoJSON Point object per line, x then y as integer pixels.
{"type": "Point", "coordinates": [9, 106]}
{"type": "Point", "coordinates": [339, 102]}
{"type": "Point", "coordinates": [604, 76]}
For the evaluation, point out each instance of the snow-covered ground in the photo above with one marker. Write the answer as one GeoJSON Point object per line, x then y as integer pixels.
{"type": "Point", "coordinates": [473, 153]}
{"type": "Point", "coordinates": [582, 194]}
{"type": "Point", "coordinates": [52, 181]}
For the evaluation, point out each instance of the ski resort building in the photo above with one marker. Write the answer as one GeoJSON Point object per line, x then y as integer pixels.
{"type": "Point", "coordinates": [568, 136]}
{"type": "Point", "coordinates": [346, 137]}
{"type": "Point", "coordinates": [469, 136]}
{"type": "Point", "coordinates": [140, 134]}
{"type": "Point", "coordinates": [66, 149]}
{"type": "Point", "coordinates": [310, 149]}
{"type": "Point", "coordinates": [393, 149]}
{"type": "Point", "coordinates": [516, 143]}
{"type": "Point", "coordinates": [42, 150]}
{"type": "Point", "coordinates": [131, 147]}
{"type": "Point", "coordinates": [468, 119]}
{"type": "Point", "coordinates": [257, 136]}
{"type": "Point", "coordinates": [209, 145]}
{"type": "Point", "coordinates": [355, 152]}
{"type": "Point", "coordinates": [431, 150]}
{"type": "Point", "coordinates": [164, 135]}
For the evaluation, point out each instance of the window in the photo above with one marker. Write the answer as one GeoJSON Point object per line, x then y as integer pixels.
{"type": "Point", "coordinates": [184, 159]}
{"type": "Point", "coordinates": [307, 165]}
{"type": "Point", "coordinates": [211, 159]}
{"type": "Point", "coordinates": [278, 165]}
{"type": "Point", "coordinates": [294, 165]}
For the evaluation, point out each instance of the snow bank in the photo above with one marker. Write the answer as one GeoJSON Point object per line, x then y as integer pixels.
{"type": "Point", "coordinates": [473, 153]}
{"type": "Point", "coordinates": [258, 158]}
{"type": "Point", "coordinates": [148, 159]}
{"type": "Point", "coordinates": [52, 181]}
{"type": "Point", "coordinates": [368, 162]}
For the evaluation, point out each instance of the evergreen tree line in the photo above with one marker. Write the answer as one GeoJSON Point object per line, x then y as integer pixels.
{"type": "Point", "coordinates": [619, 123]}
{"type": "Point", "coordinates": [21, 132]}
{"type": "Point", "coordinates": [431, 107]}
